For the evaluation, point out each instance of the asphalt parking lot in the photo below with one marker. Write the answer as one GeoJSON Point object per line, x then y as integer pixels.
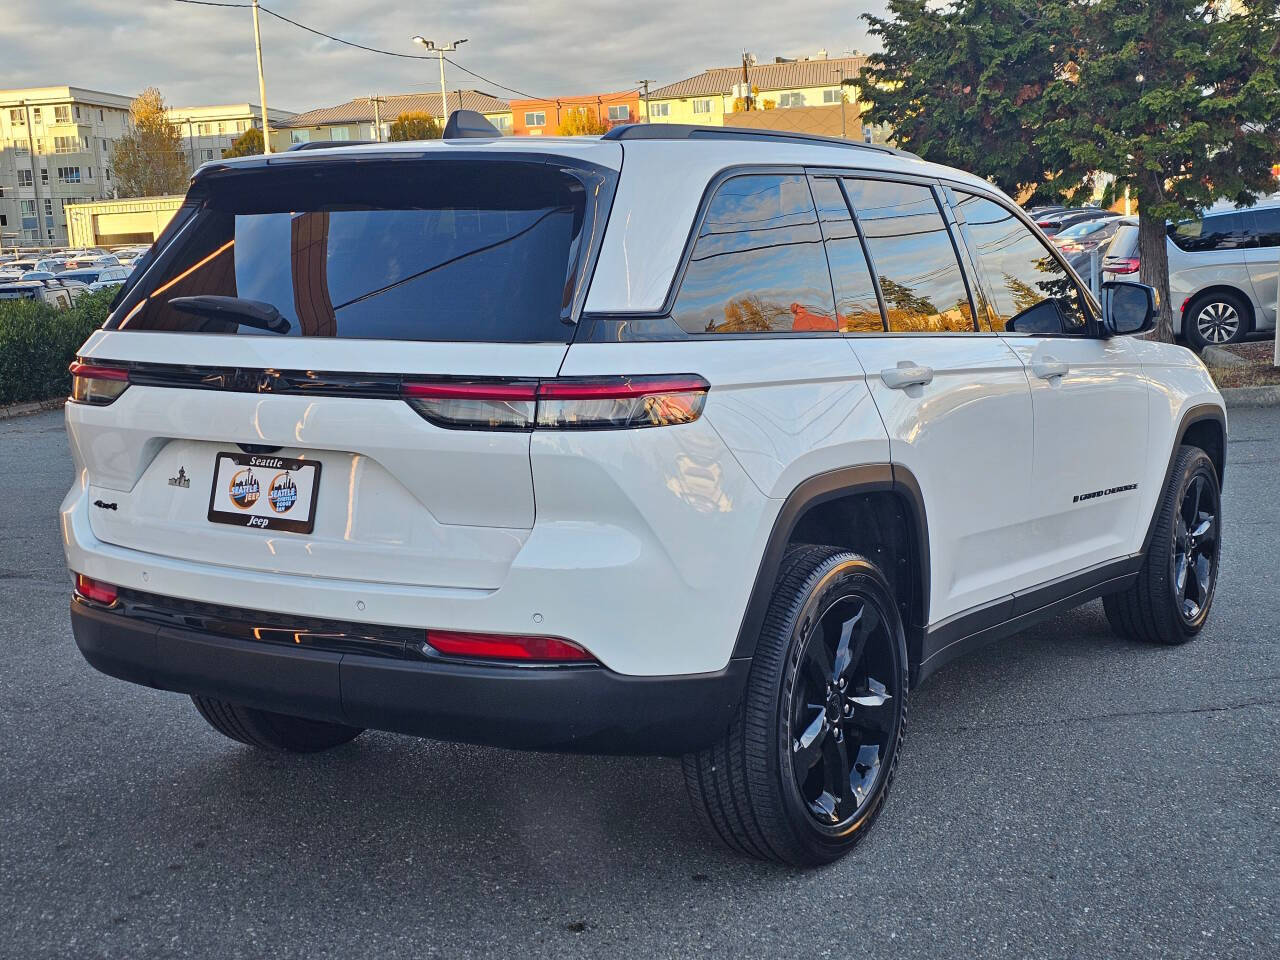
{"type": "Point", "coordinates": [1062, 794]}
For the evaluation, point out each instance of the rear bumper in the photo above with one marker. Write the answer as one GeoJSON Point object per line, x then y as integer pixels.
{"type": "Point", "coordinates": [587, 709]}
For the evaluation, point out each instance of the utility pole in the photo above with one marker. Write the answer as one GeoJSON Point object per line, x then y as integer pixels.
{"type": "Point", "coordinates": [645, 84]}
{"type": "Point", "coordinates": [843, 131]}
{"type": "Point", "coordinates": [377, 117]}
{"type": "Point", "coordinates": [262, 83]}
{"type": "Point", "coordinates": [747, 98]}
{"type": "Point", "coordinates": [191, 157]}
{"type": "Point", "coordinates": [440, 51]}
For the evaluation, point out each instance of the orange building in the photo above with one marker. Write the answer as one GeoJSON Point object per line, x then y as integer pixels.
{"type": "Point", "coordinates": [535, 118]}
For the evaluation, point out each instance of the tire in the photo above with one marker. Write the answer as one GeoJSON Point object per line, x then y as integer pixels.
{"type": "Point", "coordinates": [273, 731]}
{"type": "Point", "coordinates": [1215, 319]}
{"type": "Point", "coordinates": [1156, 609]}
{"type": "Point", "coordinates": [772, 787]}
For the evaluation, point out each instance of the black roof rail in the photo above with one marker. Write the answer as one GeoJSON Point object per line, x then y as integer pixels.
{"type": "Point", "coordinates": [326, 144]}
{"type": "Point", "coordinates": [689, 131]}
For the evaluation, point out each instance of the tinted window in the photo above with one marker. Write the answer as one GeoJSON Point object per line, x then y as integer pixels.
{"type": "Point", "coordinates": [1030, 290]}
{"type": "Point", "coordinates": [757, 265]}
{"type": "Point", "coordinates": [1266, 227]}
{"type": "Point", "coordinates": [1125, 243]}
{"type": "Point", "coordinates": [857, 309]}
{"type": "Point", "coordinates": [404, 250]}
{"type": "Point", "coordinates": [1222, 231]}
{"type": "Point", "coordinates": [911, 252]}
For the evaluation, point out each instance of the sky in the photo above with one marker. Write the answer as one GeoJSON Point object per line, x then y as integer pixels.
{"type": "Point", "coordinates": [545, 48]}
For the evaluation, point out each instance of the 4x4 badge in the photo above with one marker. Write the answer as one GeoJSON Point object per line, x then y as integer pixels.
{"type": "Point", "coordinates": [181, 480]}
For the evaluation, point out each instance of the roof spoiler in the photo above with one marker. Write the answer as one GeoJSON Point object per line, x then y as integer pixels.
{"type": "Point", "coordinates": [464, 124]}
{"type": "Point", "coordinates": [686, 131]}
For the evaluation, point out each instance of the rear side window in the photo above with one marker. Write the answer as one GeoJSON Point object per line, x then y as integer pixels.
{"type": "Point", "coordinates": [1222, 231]}
{"type": "Point", "coordinates": [857, 309]}
{"type": "Point", "coordinates": [383, 250]}
{"type": "Point", "coordinates": [1125, 243]}
{"type": "Point", "coordinates": [757, 264]}
{"type": "Point", "coordinates": [1266, 227]}
{"type": "Point", "coordinates": [1029, 290]}
{"type": "Point", "coordinates": [911, 251]}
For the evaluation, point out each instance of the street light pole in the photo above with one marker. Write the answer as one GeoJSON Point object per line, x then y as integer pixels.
{"type": "Point", "coordinates": [262, 83]}
{"type": "Point", "coordinates": [440, 51]}
{"type": "Point", "coordinates": [645, 84]}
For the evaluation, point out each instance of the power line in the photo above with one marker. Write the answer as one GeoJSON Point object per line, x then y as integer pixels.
{"type": "Point", "coordinates": [359, 46]}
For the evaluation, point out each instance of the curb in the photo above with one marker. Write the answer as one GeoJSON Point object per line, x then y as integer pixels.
{"type": "Point", "coordinates": [26, 409]}
{"type": "Point", "coordinates": [1217, 357]}
{"type": "Point", "coordinates": [1251, 396]}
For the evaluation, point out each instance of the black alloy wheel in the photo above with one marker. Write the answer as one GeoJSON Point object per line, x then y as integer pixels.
{"type": "Point", "coordinates": [805, 767]}
{"type": "Point", "coordinates": [842, 726]}
{"type": "Point", "coordinates": [1194, 553]}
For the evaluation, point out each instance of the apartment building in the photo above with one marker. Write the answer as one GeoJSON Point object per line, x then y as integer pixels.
{"type": "Point", "coordinates": [708, 97]}
{"type": "Point", "coordinates": [209, 131]}
{"type": "Point", "coordinates": [536, 118]}
{"type": "Point", "coordinates": [55, 149]}
{"type": "Point", "coordinates": [370, 118]}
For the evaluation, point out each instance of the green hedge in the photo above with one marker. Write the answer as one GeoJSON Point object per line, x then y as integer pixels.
{"type": "Point", "coordinates": [37, 343]}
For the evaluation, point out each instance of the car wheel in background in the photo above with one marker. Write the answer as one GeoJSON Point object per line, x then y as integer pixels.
{"type": "Point", "coordinates": [1216, 318]}
{"type": "Point", "coordinates": [272, 731]}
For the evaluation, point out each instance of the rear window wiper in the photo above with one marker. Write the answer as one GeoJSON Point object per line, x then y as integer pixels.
{"type": "Point", "coordinates": [249, 313]}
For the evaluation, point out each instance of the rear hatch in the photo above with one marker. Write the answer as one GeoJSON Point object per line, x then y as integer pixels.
{"type": "Point", "coordinates": [302, 351]}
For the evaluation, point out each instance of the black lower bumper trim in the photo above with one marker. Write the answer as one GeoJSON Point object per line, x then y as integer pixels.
{"type": "Point", "coordinates": [587, 709]}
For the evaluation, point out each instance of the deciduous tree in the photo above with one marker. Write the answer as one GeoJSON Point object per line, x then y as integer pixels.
{"type": "Point", "coordinates": [148, 160]}
{"type": "Point", "coordinates": [582, 122]}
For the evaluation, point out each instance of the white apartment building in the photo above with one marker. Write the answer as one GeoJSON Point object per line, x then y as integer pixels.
{"type": "Point", "coordinates": [55, 149]}
{"type": "Point", "coordinates": [208, 131]}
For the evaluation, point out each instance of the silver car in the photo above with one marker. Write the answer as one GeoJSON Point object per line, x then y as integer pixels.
{"type": "Point", "coordinates": [1222, 270]}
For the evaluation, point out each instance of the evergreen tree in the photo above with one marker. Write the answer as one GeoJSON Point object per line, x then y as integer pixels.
{"type": "Point", "coordinates": [248, 144]}
{"type": "Point", "coordinates": [415, 126]}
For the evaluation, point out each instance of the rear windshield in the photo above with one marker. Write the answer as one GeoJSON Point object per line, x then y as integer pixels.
{"type": "Point", "coordinates": [484, 250]}
{"type": "Point", "coordinates": [1125, 242]}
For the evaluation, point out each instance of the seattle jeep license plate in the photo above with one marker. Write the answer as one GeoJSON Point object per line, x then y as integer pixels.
{"type": "Point", "coordinates": [264, 492]}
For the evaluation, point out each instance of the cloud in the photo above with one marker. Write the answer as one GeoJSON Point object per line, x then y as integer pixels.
{"type": "Point", "coordinates": [548, 48]}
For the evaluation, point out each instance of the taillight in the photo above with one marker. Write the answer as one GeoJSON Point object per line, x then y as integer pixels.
{"type": "Point", "coordinates": [98, 385]}
{"type": "Point", "coordinates": [474, 405]}
{"type": "Point", "coordinates": [571, 403]}
{"type": "Point", "coordinates": [498, 646]}
{"type": "Point", "coordinates": [95, 590]}
{"type": "Point", "coordinates": [1122, 265]}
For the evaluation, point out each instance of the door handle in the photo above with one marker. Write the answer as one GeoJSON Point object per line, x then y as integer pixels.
{"type": "Point", "coordinates": [1048, 368]}
{"type": "Point", "coordinates": [906, 374]}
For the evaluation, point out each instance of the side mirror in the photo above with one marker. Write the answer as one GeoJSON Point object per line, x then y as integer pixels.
{"type": "Point", "coordinates": [1127, 308]}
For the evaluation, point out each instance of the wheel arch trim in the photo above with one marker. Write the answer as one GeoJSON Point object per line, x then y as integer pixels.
{"type": "Point", "coordinates": [1199, 413]}
{"type": "Point", "coordinates": [823, 488]}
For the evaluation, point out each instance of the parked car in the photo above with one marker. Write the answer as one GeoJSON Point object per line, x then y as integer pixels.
{"type": "Point", "coordinates": [1078, 242]}
{"type": "Point", "coordinates": [1054, 222]}
{"type": "Point", "coordinates": [97, 260]}
{"type": "Point", "coordinates": [129, 255]}
{"type": "Point", "coordinates": [53, 293]}
{"type": "Point", "coordinates": [14, 269]}
{"type": "Point", "coordinates": [544, 449]}
{"type": "Point", "coordinates": [98, 277]}
{"type": "Point", "coordinates": [1222, 271]}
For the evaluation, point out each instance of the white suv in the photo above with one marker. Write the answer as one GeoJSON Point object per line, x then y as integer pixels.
{"type": "Point", "coordinates": [684, 441]}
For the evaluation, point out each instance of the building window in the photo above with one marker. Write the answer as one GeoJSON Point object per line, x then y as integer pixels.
{"type": "Point", "coordinates": [18, 117]}
{"type": "Point", "coordinates": [619, 112]}
{"type": "Point", "coordinates": [106, 174]}
{"type": "Point", "coordinates": [340, 133]}
{"type": "Point", "coordinates": [48, 207]}
{"type": "Point", "coordinates": [791, 100]}
{"type": "Point", "coordinates": [503, 122]}
{"type": "Point", "coordinates": [21, 150]}
{"type": "Point", "coordinates": [104, 144]}
{"type": "Point", "coordinates": [25, 178]}
{"type": "Point", "coordinates": [535, 118]}
{"type": "Point", "coordinates": [702, 106]}
{"type": "Point", "coordinates": [44, 174]}
{"type": "Point", "coordinates": [208, 154]}
{"type": "Point", "coordinates": [4, 221]}
{"type": "Point", "coordinates": [101, 118]}
{"type": "Point", "coordinates": [35, 114]}
{"type": "Point", "coordinates": [204, 129]}
{"type": "Point", "coordinates": [832, 95]}
{"type": "Point", "coordinates": [299, 136]}
{"type": "Point", "coordinates": [65, 144]}
{"type": "Point", "coordinates": [77, 112]}
{"type": "Point", "coordinates": [242, 126]}
{"type": "Point", "coordinates": [68, 174]}
{"type": "Point", "coordinates": [28, 207]}
{"type": "Point", "coordinates": [659, 109]}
